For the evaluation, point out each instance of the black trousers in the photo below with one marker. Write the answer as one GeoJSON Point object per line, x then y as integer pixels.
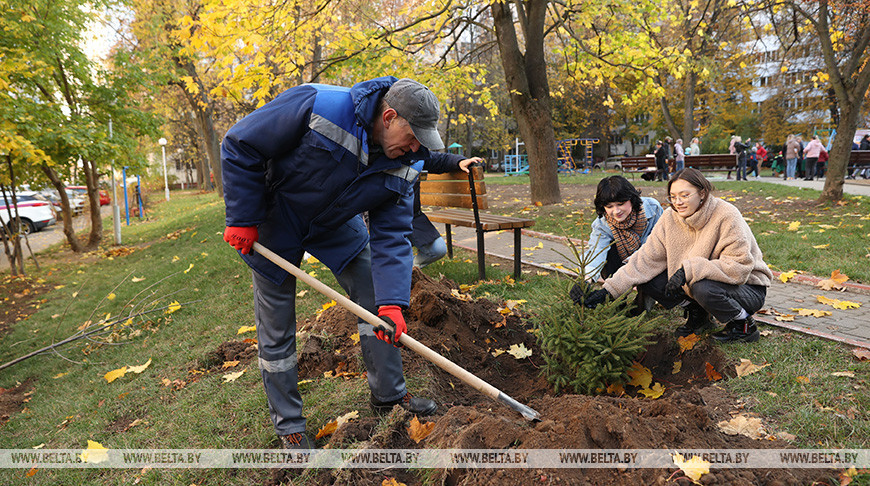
{"type": "Point", "coordinates": [723, 301]}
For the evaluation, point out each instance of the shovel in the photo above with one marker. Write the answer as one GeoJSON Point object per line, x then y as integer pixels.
{"type": "Point", "coordinates": [406, 340]}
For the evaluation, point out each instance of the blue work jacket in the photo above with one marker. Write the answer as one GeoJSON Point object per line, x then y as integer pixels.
{"type": "Point", "coordinates": [299, 169]}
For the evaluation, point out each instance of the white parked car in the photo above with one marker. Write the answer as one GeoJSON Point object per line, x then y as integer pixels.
{"type": "Point", "coordinates": [35, 213]}
{"type": "Point", "coordinates": [76, 203]}
{"type": "Point", "coordinates": [610, 163]}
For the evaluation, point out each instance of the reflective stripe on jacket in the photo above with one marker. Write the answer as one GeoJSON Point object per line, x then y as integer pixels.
{"type": "Point", "coordinates": [301, 170]}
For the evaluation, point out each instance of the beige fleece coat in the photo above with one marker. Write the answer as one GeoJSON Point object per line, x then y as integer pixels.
{"type": "Point", "coordinates": [715, 243]}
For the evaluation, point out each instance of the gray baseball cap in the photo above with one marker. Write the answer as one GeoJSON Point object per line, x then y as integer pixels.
{"type": "Point", "coordinates": [417, 104]}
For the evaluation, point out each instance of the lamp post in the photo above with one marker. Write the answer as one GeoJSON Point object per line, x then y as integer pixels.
{"type": "Point", "coordinates": [162, 143]}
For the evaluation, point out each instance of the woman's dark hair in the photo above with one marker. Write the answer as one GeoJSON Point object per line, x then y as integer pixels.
{"type": "Point", "coordinates": [616, 189]}
{"type": "Point", "coordinates": [694, 177]}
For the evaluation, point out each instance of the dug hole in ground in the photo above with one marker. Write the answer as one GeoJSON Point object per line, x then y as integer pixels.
{"type": "Point", "coordinates": [467, 332]}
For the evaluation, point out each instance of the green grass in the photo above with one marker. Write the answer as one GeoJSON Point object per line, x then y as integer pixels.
{"type": "Point", "coordinates": [72, 403]}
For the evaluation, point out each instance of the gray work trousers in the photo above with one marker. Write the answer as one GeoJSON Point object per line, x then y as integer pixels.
{"type": "Point", "coordinates": [723, 301]}
{"type": "Point", "coordinates": [275, 317]}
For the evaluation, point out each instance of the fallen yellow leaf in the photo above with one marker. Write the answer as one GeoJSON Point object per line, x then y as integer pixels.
{"type": "Point", "coordinates": [137, 279]}
{"type": "Point", "coordinates": [327, 429]}
{"type": "Point", "coordinates": [355, 338]}
{"type": "Point", "coordinates": [694, 468]}
{"type": "Point", "coordinates": [836, 281]}
{"type": "Point", "coordinates": [837, 303]}
{"type": "Point", "coordinates": [140, 368]}
{"type": "Point", "coordinates": [640, 375]}
{"type": "Point", "coordinates": [115, 374]}
{"type": "Point", "coordinates": [519, 351]}
{"type": "Point", "coordinates": [786, 276]}
{"type": "Point", "coordinates": [819, 247]}
{"type": "Point", "coordinates": [678, 365]}
{"type": "Point", "coordinates": [746, 367]}
{"type": "Point", "coordinates": [232, 376]}
{"type": "Point", "coordinates": [174, 306]}
{"type": "Point", "coordinates": [688, 342]}
{"type": "Point", "coordinates": [230, 364]}
{"type": "Point", "coordinates": [794, 225]}
{"type": "Point", "coordinates": [95, 453]}
{"type": "Point", "coordinates": [418, 431]}
{"type": "Point", "coordinates": [111, 296]}
{"type": "Point", "coordinates": [392, 482]}
{"type": "Point", "coordinates": [802, 379]}
{"type": "Point", "coordinates": [245, 329]}
{"type": "Point", "coordinates": [616, 389]}
{"type": "Point", "coordinates": [654, 392]}
{"type": "Point", "coordinates": [189, 268]}
{"type": "Point", "coordinates": [811, 312]}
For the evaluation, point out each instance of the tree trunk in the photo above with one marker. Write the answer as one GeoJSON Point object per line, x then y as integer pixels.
{"type": "Point", "coordinates": [689, 109]}
{"type": "Point", "coordinates": [204, 109]}
{"type": "Point", "coordinates": [91, 180]}
{"type": "Point", "coordinates": [526, 77]}
{"type": "Point", "coordinates": [68, 229]}
{"type": "Point", "coordinates": [669, 119]}
{"type": "Point", "coordinates": [838, 159]}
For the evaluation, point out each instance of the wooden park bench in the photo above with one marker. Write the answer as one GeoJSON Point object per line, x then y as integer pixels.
{"type": "Point", "coordinates": [858, 160]}
{"type": "Point", "coordinates": [463, 197]}
{"type": "Point", "coordinates": [713, 162]}
{"type": "Point", "coordinates": [635, 165]}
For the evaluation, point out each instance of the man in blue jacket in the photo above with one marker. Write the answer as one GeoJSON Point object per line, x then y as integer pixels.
{"type": "Point", "coordinates": [298, 174]}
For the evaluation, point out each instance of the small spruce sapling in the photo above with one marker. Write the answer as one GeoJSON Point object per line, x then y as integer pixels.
{"type": "Point", "coordinates": [585, 350]}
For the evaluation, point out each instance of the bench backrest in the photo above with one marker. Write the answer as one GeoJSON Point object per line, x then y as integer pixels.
{"type": "Point", "coordinates": [453, 189]}
{"type": "Point", "coordinates": [711, 160]}
{"type": "Point", "coordinates": [859, 157]}
{"type": "Point", "coordinates": [637, 162]}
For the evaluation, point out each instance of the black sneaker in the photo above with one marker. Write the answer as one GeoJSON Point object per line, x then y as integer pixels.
{"type": "Point", "coordinates": [741, 330]}
{"type": "Point", "coordinates": [697, 321]}
{"type": "Point", "coordinates": [415, 405]}
{"type": "Point", "coordinates": [299, 440]}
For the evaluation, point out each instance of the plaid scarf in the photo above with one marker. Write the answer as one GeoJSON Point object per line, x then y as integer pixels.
{"type": "Point", "coordinates": [626, 234]}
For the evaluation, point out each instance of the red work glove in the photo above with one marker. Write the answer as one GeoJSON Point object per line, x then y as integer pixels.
{"type": "Point", "coordinates": [392, 315]}
{"type": "Point", "coordinates": [241, 237]}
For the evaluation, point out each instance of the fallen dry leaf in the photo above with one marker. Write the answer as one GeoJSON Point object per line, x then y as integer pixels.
{"type": "Point", "coordinates": [694, 468]}
{"type": "Point", "coordinates": [640, 375]}
{"type": "Point", "coordinates": [31, 472]}
{"type": "Point", "coordinates": [140, 368]}
{"type": "Point", "coordinates": [654, 392]}
{"type": "Point", "coordinates": [137, 279]}
{"type": "Point", "coordinates": [327, 429]}
{"type": "Point", "coordinates": [711, 372]}
{"type": "Point", "coordinates": [794, 225]}
{"type": "Point", "coordinates": [497, 352]}
{"type": "Point", "coordinates": [802, 379]}
{"type": "Point", "coordinates": [115, 374]}
{"type": "Point", "coordinates": [749, 426]}
{"type": "Point", "coordinates": [846, 374]}
{"type": "Point", "coordinates": [418, 431]}
{"type": "Point", "coordinates": [230, 364]}
{"type": "Point", "coordinates": [811, 312]}
{"type": "Point", "coordinates": [174, 306]}
{"type": "Point", "coordinates": [391, 482]}
{"type": "Point", "coordinates": [835, 282]}
{"type": "Point", "coordinates": [678, 365]}
{"type": "Point", "coordinates": [245, 329]}
{"type": "Point", "coordinates": [95, 453]}
{"type": "Point", "coordinates": [746, 367]}
{"type": "Point", "coordinates": [863, 354]}
{"type": "Point", "coordinates": [837, 303]}
{"type": "Point", "coordinates": [616, 389]}
{"type": "Point", "coordinates": [785, 317]}
{"type": "Point", "coordinates": [519, 351]}
{"type": "Point", "coordinates": [786, 276]}
{"type": "Point", "coordinates": [355, 338]}
{"type": "Point", "coordinates": [688, 342]}
{"type": "Point", "coordinates": [232, 376]}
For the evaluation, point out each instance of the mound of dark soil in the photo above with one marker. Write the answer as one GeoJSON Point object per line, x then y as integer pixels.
{"type": "Point", "coordinates": [240, 351]}
{"type": "Point", "coordinates": [468, 333]}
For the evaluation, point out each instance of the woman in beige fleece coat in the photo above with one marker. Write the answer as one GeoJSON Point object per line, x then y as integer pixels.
{"type": "Point", "coordinates": [702, 256]}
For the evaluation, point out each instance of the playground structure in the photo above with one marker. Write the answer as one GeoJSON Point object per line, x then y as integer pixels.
{"type": "Point", "coordinates": [517, 164]}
